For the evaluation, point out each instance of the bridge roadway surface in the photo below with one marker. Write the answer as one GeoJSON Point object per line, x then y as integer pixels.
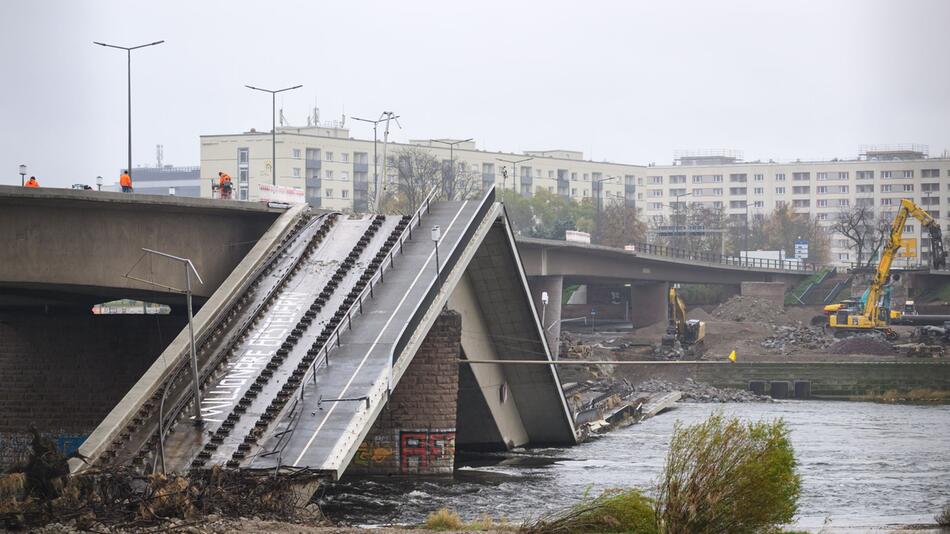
{"type": "Point", "coordinates": [312, 432]}
{"type": "Point", "coordinates": [324, 434]}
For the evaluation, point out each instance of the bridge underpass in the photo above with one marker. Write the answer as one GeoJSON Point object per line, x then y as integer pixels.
{"type": "Point", "coordinates": [630, 286]}
{"type": "Point", "coordinates": [304, 348]}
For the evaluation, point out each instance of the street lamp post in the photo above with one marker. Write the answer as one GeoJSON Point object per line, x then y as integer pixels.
{"type": "Point", "coordinates": [451, 158]}
{"type": "Point", "coordinates": [99, 183]}
{"type": "Point", "coordinates": [273, 128]}
{"type": "Point", "coordinates": [386, 116]}
{"type": "Point", "coordinates": [597, 201]}
{"type": "Point", "coordinates": [128, 53]}
{"type": "Point", "coordinates": [514, 166]}
{"type": "Point", "coordinates": [436, 236]}
{"type": "Point", "coordinates": [22, 175]}
{"type": "Point", "coordinates": [676, 219]}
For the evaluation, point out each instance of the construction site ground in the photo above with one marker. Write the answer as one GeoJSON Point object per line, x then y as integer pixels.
{"type": "Point", "coordinates": [758, 330]}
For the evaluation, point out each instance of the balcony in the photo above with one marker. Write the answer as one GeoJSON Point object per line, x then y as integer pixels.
{"type": "Point", "coordinates": [360, 185]}
{"type": "Point", "coordinates": [360, 167]}
{"type": "Point", "coordinates": [314, 164]}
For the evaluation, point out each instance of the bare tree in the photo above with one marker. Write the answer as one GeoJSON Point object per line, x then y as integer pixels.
{"type": "Point", "coordinates": [418, 173]}
{"type": "Point", "coordinates": [856, 223]}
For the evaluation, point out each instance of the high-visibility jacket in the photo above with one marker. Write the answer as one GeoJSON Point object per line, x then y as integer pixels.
{"type": "Point", "coordinates": [32, 183]}
{"type": "Point", "coordinates": [125, 180]}
{"type": "Point", "coordinates": [224, 181]}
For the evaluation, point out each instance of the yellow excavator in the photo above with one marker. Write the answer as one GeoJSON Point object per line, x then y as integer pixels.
{"type": "Point", "coordinates": [690, 333]}
{"type": "Point", "coordinates": [874, 314]}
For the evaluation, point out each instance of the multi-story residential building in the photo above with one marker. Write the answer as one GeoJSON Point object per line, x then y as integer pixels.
{"type": "Point", "coordinates": [336, 172]}
{"type": "Point", "coordinates": [878, 178]}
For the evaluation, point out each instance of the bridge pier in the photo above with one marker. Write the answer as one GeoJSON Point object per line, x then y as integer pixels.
{"type": "Point", "coordinates": [415, 432]}
{"type": "Point", "coordinates": [551, 313]}
{"type": "Point", "coordinates": [648, 303]}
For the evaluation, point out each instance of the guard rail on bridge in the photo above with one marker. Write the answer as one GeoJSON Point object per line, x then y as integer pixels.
{"type": "Point", "coordinates": [732, 261]}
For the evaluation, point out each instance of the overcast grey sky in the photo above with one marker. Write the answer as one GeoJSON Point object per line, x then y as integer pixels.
{"type": "Point", "coordinates": [621, 81]}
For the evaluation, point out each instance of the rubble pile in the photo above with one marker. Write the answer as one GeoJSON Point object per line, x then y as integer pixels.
{"type": "Point", "coordinates": [870, 343]}
{"type": "Point", "coordinates": [740, 309]}
{"type": "Point", "coordinates": [573, 348]}
{"type": "Point", "coordinates": [789, 338]}
{"type": "Point", "coordinates": [699, 392]}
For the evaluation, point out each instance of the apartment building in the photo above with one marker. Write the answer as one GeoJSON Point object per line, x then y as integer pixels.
{"type": "Point", "coordinates": [336, 171]}
{"type": "Point", "coordinates": [879, 177]}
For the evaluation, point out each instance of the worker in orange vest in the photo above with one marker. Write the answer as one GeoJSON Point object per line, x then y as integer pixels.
{"type": "Point", "coordinates": [32, 182]}
{"type": "Point", "coordinates": [224, 185]}
{"type": "Point", "coordinates": [126, 182]}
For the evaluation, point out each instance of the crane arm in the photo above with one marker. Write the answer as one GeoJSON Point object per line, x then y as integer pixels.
{"type": "Point", "coordinates": [938, 257]}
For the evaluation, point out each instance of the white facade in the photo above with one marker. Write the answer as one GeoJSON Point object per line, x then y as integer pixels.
{"type": "Point", "coordinates": [336, 172]}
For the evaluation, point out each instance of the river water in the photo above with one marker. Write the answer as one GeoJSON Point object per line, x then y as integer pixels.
{"type": "Point", "coordinates": [862, 465]}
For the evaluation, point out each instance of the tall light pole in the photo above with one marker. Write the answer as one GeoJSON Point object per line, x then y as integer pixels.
{"type": "Point", "coordinates": [128, 53]}
{"type": "Point", "coordinates": [597, 206]}
{"type": "Point", "coordinates": [451, 158]}
{"type": "Point", "coordinates": [514, 166]}
{"type": "Point", "coordinates": [382, 118]}
{"type": "Point", "coordinates": [273, 127]}
{"type": "Point", "coordinates": [675, 219]}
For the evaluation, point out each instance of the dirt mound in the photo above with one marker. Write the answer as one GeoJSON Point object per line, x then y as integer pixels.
{"type": "Point", "coordinates": [790, 338]}
{"type": "Point", "coordinates": [865, 344]}
{"type": "Point", "coordinates": [699, 314]}
{"type": "Point", "coordinates": [739, 309]}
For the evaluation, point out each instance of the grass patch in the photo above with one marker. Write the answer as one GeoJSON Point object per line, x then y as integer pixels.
{"type": "Point", "coordinates": [444, 519]}
{"type": "Point", "coordinates": [943, 518]}
{"type": "Point", "coordinates": [723, 475]}
{"type": "Point", "coordinates": [612, 511]}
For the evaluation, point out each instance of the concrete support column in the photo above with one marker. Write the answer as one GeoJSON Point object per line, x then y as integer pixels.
{"type": "Point", "coordinates": [648, 303]}
{"type": "Point", "coordinates": [550, 314]}
{"type": "Point", "coordinates": [415, 432]}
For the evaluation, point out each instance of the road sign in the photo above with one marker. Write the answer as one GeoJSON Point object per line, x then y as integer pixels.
{"type": "Point", "coordinates": [801, 249]}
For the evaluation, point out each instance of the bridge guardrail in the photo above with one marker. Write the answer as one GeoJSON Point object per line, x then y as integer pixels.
{"type": "Point", "coordinates": [323, 357]}
{"type": "Point", "coordinates": [752, 263]}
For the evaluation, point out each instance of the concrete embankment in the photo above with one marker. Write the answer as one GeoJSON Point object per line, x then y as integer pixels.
{"type": "Point", "coordinates": [818, 380]}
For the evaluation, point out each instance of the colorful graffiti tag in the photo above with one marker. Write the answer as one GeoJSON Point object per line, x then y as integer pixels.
{"type": "Point", "coordinates": [422, 449]}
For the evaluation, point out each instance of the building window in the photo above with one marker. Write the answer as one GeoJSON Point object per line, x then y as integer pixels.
{"type": "Point", "coordinates": [329, 193]}
{"type": "Point", "coordinates": [908, 188]}
{"type": "Point", "coordinates": [843, 203]}
{"type": "Point", "coordinates": [801, 176]}
{"type": "Point", "coordinates": [585, 193]}
{"type": "Point", "coordinates": [865, 175]}
{"type": "Point", "coordinates": [780, 177]}
{"type": "Point", "coordinates": [345, 175]}
{"type": "Point", "coordinates": [345, 158]}
{"type": "Point", "coordinates": [243, 156]}
{"type": "Point", "coordinates": [886, 174]}
{"type": "Point", "coordinates": [865, 188]}
{"type": "Point", "coordinates": [296, 172]}
{"type": "Point", "coordinates": [843, 175]}
{"type": "Point", "coordinates": [867, 202]}
{"type": "Point", "coordinates": [759, 177]}
{"type": "Point", "coordinates": [655, 193]}
{"type": "Point", "coordinates": [843, 256]}
{"type": "Point", "coordinates": [737, 190]}
{"type": "Point", "coordinates": [779, 190]}
{"type": "Point", "coordinates": [821, 216]}
{"type": "Point", "coordinates": [930, 173]}
{"type": "Point", "coordinates": [737, 178]}
{"type": "Point", "coordinates": [344, 193]}
{"type": "Point", "coordinates": [655, 205]}
{"type": "Point", "coordinates": [677, 192]}
{"type": "Point", "coordinates": [930, 201]}
{"type": "Point", "coordinates": [801, 203]}
{"type": "Point", "coordinates": [822, 203]}
{"type": "Point", "coordinates": [242, 176]}
{"type": "Point", "coordinates": [677, 179]}
{"type": "Point", "coordinates": [759, 191]}
{"type": "Point", "coordinates": [887, 201]}
{"type": "Point", "coordinates": [737, 204]}
{"type": "Point", "coordinates": [801, 190]}
{"type": "Point", "coordinates": [781, 203]}
{"type": "Point", "coordinates": [574, 176]}
{"type": "Point", "coordinates": [586, 177]}
{"type": "Point", "coordinates": [929, 187]}
{"type": "Point", "coordinates": [329, 175]}
{"type": "Point", "coordinates": [573, 191]}
{"type": "Point", "coordinates": [759, 203]}
{"type": "Point", "coordinates": [821, 176]}
{"type": "Point", "coordinates": [329, 156]}
{"type": "Point", "coordinates": [886, 188]}
{"type": "Point", "coordinates": [909, 229]}
{"type": "Point", "coordinates": [907, 174]}
{"type": "Point", "coordinates": [296, 153]}
{"type": "Point", "coordinates": [652, 180]}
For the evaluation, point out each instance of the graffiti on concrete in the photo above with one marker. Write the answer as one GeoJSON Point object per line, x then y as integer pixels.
{"type": "Point", "coordinates": [419, 449]}
{"type": "Point", "coordinates": [372, 454]}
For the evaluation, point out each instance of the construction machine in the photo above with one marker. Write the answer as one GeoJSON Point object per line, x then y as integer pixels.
{"type": "Point", "coordinates": [873, 312]}
{"type": "Point", "coordinates": [689, 333]}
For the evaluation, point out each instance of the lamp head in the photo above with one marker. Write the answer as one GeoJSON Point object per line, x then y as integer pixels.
{"type": "Point", "coordinates": [22, 170]}
{"type": "Point", "coordinates": [544, 298]}
{"type": "Point", "coordinates": [436, 233]}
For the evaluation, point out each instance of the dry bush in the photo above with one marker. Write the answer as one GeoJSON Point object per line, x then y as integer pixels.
{"type": "Point", "coordinates": [723, 475]}
{"type": "Point", "coordinates": [444, 519]}
{"type": "Point", "coordinates": [943, 518]}
{"type": "Point", "coordinates": [613, 511]}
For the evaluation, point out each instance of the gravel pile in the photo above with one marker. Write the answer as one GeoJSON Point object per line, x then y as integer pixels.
{"type": "Point", "coordinates": [788, 338]}
{"type": "Point", "coordinates": [739, 309]}
{"type": "Point", "coordinates": [698, 392]}
{"type": "Point", "coordinates": [863, 344]}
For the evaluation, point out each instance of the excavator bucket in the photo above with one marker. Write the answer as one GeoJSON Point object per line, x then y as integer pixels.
{"type": "Point", "coordinates": [937, 253]}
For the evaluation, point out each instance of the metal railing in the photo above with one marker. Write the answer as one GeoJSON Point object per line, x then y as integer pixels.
{"type": "Point", "coordinates": [346, 324]}
{"type": "Point", "coordinates": [732, 261]}
{"type": "Point", "coordinates": [812, 285]}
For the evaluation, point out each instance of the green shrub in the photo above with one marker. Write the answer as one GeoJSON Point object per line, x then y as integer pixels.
{"type": "Point", "coordinates": [727, 476]}
{"type": "Point", "coordinates": [613, 511]}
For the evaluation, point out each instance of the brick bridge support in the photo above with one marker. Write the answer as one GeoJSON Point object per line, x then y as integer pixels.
{"type": "Point", "coordinates": [415, 432]}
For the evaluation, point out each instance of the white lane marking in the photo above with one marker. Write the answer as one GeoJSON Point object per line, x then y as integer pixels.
{"type": "Point", "coordinates": [376, 341]}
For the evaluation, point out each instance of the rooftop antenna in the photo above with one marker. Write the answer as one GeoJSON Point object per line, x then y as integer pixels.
{"type": "Point", "coordinates": [343, 117]}
{"type": "Point", "coordinates": [159, 155]}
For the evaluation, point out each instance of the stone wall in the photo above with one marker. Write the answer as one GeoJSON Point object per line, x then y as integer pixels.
{"type": "Point", "coordinates": [62, 374]}
{"type": "Point", "coordinates": [826, 380]}
{"type": "Point", "coordinates": [774, 291]}
{"type": "Point", "coordinates": [415, 432]}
